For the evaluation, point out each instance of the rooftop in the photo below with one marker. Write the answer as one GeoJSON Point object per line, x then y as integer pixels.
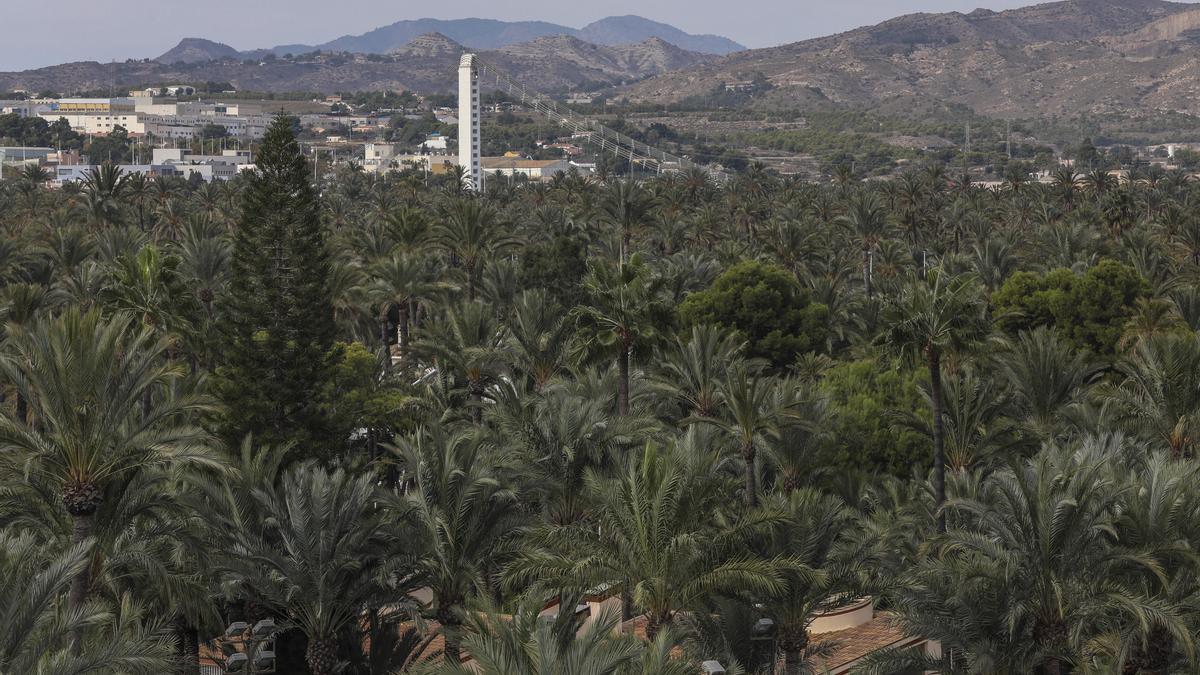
{"type": "Point", "coordinates": [517, 163]}
{"type": "Point", "coordinates": [852, 644]}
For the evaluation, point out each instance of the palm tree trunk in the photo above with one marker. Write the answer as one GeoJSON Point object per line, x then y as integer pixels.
{"type": "Point", "coordinates": [793, 640]}
{"type": "Point", "coordinates": [188, 649]}
{"type": "Point", "coordinates": [383, 345]}
{"type": "Point", "coordinates": [22, 409]}
{"type": "Point", "coordinates": [452, 649]}
{"type": "Point", "coordinates": [867, 272]}
{"type": "Point", "coordinates": [77, 596]}
{"type": "Point", "coordinates": [477, 402]}
{"type": "Point", "coordinates": [402, 329]}
{"type": "Point", "coordinates": [623, 380]}
{"type": "Point", "coordinates": [939, 451]}
{"type": "Point", "coordinates": [654, 624]}
{"type": "Point", "coordinates": [749, 455]}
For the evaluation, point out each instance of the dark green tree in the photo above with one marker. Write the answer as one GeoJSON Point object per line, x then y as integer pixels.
{"type": "Point", "coordinates": [1090, 310]}
{"type": "Point", "coordinates": [766, 306]}
{"type": "Point", "coordinates": [113, 147]}
{"type": "Point", "coordinates": [278, 329]}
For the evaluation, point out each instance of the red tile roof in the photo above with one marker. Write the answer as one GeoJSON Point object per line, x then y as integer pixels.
{"type": "Point", "coordinates": [852, 644]}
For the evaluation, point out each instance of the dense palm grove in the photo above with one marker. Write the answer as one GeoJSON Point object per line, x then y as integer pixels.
{"type": "Point", "coordinates": [392, 413]}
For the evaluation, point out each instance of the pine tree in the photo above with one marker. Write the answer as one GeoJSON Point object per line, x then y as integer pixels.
{"type": "Point", "coordinates": [278, 328]}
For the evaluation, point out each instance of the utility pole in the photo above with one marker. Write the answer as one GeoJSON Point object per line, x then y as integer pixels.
{"type": "Point", "coordinates": [1008, 137]}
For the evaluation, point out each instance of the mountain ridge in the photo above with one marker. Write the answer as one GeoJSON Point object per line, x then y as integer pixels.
{"type": "Point", "coordinates": [473, 33]}
{"type": "Point", "coordinates": [428, 63]}
{"type": "Point", "coordinates": [1094, 56]}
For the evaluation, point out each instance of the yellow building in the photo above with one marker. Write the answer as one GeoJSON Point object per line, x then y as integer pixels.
{"type": "Point", "coordinates": [94, 106]}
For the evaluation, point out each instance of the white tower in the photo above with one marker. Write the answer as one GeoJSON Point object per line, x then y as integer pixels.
{"type": "Point", "coordinates": [468, 123]}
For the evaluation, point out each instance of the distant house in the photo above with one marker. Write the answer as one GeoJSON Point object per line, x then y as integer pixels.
{"type": "Point", "coordinates": [534, 169]}
{"type": "Point", "coordinates": [434, 141]}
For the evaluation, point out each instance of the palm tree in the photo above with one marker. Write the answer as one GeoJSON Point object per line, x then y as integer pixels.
{"type": "Point", "coordinates": [540, 335]}
{"type": "Point", "coordinates": [205, 264]}
{"type": "Point", "coordinates": [1159, 396]}
{"type": "Point", "coordinates": [33, 627]}
{"type": "Point", "coordinates": [627, 206]}
{"type": "Point", "coordinates": [1045, 377]}
{"type": "Point", "coordinates": [471, 231]}
{"type": "Point", "coordinates": [138, 191]}
{"type": "Point", "coordinates": [33, 179]}
{"type": "Point", "coordinates": [315, 558]}
{"type": "Point", "coordinates": [104, 189]}
{"type": "Point", "coordinates": [20, 305]}
{"type": "Point", "coordinates": [1032, 578]}
{"type": "Point", "coordinates": [651, 539]}
{"type": "Point", "coordinates": [85, 378]}
{"type": "Point", "coordinates": [528, 644]}
{"type": "Point", "coordinates": [1156, 518]}
{"type": "Point", "coordinates": [399, 282]}
{"type": "Point", "coordinates": [149, 287]}
{"type": "Point", "coordinates": [693, 370]}
{"type": "Point", "coordinates": [558, 436]}
{"type": "Point", "coordinates": [621, 313]}
{"type": "Point", "coordinates": [813, 534]}
{"type": "Point", "coordinates": [931, 318]}
{"type": "Point", "coordinates": [751, 417]}
{"type": "Point", "coordinates": [470, 344]}
{"type": "Point", "coordinates": [464, 520]}
{"type": "Point", "coordinates": [868, 225]}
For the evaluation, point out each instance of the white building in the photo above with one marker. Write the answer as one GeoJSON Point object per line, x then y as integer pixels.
{"type": "Point", "coordinates": [469, 143]}
{"type": "Point", "coordinates": [185, 156]}
{"type": "Point", "coordinates": [95, 123]}
{"type": "Point", "coordinates": [188, 126]}
{"type": "Point", "coordinates": [171, 91]}
{"type": "Point", "coordinates": [534, 169]}
{"type": "Point", "coordinates": [379, 152]}
{"type": "Point", "coordinates": [434, 141]}
{"type": "Point", "coordinates": [26, 108]}
{"type": "Point", "coordinates": [75, 173]}
{"type": "Point", "coordinates": [19, 156]}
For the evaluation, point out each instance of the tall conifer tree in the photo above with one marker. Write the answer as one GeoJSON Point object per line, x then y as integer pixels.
{"type": "Point", "coordinates": [278, 327]}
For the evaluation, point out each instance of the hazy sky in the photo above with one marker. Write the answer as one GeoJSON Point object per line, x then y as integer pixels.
{"type": "Point", "coordinates": [44, 33]}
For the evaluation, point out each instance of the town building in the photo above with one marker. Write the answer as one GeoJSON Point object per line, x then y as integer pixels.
{"type": "Point", "coordinates": [77, 173]}
{"type": "Point", "coordinates": [94, 105]}
{"type": "Point", "coordinates": [176, 162]}
{"type": "Point", "coordinates": [251, 127]}
{"type": "Point", "coordinates": [434, 141]}
{"type": "Point", "coordinates": [97, 123]}
{"type": "Point", "coordinates": [533, 169]}
{"type": "Point", "coordinates": [20, 156]}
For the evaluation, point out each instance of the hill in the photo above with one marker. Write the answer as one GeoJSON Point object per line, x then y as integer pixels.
{"type": "Point", "coordinates": [198, 50]}
{"type": "Point", "coordinates": [472, 33]}
{"type": "Point", "coordinates": [479, 34]}
{"type": "Point", "coordinates": [428, 63]}
{"type": "Point", "coordinates": [1063, 58]}
{"type": "Point", "coordinates": [616, 30]}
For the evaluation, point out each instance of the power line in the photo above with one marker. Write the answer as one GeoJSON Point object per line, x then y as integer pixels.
{"type": "Point", "coordinates": [624, 147]}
